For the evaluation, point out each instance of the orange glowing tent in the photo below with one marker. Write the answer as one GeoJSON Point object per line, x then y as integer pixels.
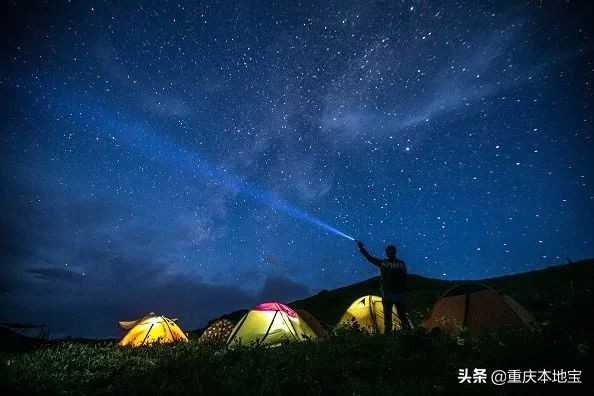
{"type": "Point", "coordinates": [477, 308]}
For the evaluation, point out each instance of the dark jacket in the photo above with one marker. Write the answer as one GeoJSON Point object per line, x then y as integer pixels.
{"type": "Point", "coordinates": [393, 272]}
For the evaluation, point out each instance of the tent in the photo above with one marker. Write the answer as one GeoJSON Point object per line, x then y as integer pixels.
{"type": "Point", "coordinates": [270, 323]}
{"type": "Point", "coordinates": [313, 323]}
{"type": "Point", "coordinates": [476, 307]}
{"type": "Point", "coordinates": [368, 313]}
{"type": "Point", "coordinates": [217, 331]}
{"type": "Point", "coordinates": [151, 329]}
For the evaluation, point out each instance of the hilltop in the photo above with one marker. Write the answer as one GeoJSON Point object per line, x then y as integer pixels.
{"type": "Point", "coordinates": [542, 292]}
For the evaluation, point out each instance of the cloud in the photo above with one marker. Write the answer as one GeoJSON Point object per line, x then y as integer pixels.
{"type": "Point", "coordinates": [280, 266]}
{"type": "Point", "coordinates": [152, 100]}
{"type": "Point", "coordinates": [283, 290]}
{"type": "Point", "coordinates": [129, 270]}
{"type": "Point", "coordinates": [13, 241]}
{"type": "Point", "coordinates": [91, 306]}
{"type": "Point", "coordinates": [130, 267]}
{"type": "Point", "coordinates": [301, 177]}
{"type": "Point", "coordinates": [117, 284]}
{"type": "Point", "coordinates": [55, 274]}
{"type": "Point", "coordinates": [71, 304]}
{"type": "Point", "coordinates": [248, 276]}
{"type": "Point", "coordinates": [418, 96]}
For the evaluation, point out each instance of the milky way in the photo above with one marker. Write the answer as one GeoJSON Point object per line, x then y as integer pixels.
{"type": "Point", "coordinates": [155, 150]}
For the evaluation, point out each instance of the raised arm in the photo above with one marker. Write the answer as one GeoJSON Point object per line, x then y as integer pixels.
{"type": "Point", "coordinates": [373, 260]}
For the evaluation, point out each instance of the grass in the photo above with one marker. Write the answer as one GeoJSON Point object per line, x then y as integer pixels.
{"type": "Point", "coordinates": [349, 362]}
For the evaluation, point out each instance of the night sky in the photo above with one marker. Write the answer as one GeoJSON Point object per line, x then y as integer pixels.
{"type": "Point", "coordinates": [164, 157]}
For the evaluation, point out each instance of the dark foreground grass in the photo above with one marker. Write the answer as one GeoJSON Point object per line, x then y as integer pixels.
{"type": "Point", "coordinates": [350, 362]}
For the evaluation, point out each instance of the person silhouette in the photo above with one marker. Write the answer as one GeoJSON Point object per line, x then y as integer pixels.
{"type": "Point", "coordinates": [393, 276]}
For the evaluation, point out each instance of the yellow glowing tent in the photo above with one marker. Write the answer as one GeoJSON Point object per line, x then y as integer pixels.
{"type": "Point", "coordinates": [151, 329]}
{"type": "Point", "coordinates": [368, 313]}
{"type": "Point", "coordinates": [270, 324]}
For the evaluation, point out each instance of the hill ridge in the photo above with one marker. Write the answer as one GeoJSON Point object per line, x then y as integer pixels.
{"type": "Point", "coordinates": [328, 305]}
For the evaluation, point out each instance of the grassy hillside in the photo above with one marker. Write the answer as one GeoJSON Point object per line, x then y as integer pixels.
{"type": "Point", "coordinates": [350, 362]}
{"type": "Point", "coordinates": [328, 306]}
{"type": "Point", "coordinates": [544, 293]}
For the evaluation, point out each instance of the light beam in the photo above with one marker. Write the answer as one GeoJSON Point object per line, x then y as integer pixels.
{"type": "Point", "coordinates": [149, 143]}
